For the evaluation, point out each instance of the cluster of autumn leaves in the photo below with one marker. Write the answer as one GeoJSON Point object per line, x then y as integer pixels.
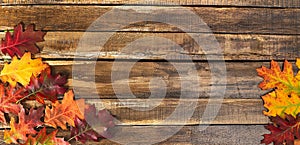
{"type": "Point", "coordinates": [282, 103]}
{"type": "Point", "coordinates": [26, 80]}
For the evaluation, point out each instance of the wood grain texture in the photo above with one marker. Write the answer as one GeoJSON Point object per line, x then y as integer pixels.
{"type": "Point", "coordinates": [124, 45]}
{"type": "Point", "coordinates": [220, 20]}
{"type": "Point", "coordinates": [188, 135]}
{"type": "Point", "coordinates": [179, 111]}
{"type": "Point", "coordinates": [242, 79]}
{"type": "Point", "coordinates": [246, 3]}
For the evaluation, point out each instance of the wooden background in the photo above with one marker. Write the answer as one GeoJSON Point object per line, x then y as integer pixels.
{"type": "Point", "coordinates": [250, 32]}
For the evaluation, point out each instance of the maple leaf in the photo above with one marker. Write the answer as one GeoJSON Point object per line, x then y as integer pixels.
{"type": "Point", "coordinates": [102, 121]}
{"type": "Point", "coordinates": [282, 130]}
{"type": "Point", "coordinates": [8, 98]}
{"type": "Point", "coordinates": [279, 103]}
{"type": "Point", "coordinates": [282, 80]}
{"type": "Point", "coordinates": [25, 126]}
{"type": "Point", "coordinates": [46, 86]}
{"type": "Point", "coordinates": [62, 113]}
{"type": "Point", "coordinates": [43, 139]}
{"type": "Point", "coordinates": [21, 41]}
{"type": "Point", "coordinates": [22, 70]}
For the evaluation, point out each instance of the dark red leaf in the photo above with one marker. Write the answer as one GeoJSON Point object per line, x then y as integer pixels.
{"type": "Point", "coordinates": [21, 41]}
{"type": "Point", "coordinates": [46, 86]}
{"type": "Point", "coordinates": [102, 120]}
{"type": "Point", "coordinates": [83, 132]}
{"type": "Point", "coordinates": [282, 130]}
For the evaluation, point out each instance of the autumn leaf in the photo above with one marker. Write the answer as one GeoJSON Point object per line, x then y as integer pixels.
{"type": "Point", "coordinates": [46, 86]}
{"type": "Point", "coordinates": [64, 112]}
{"type": "Point", "coordinates": [21, 41]}
{"type": "Point", "coordinates": [282, 80]}
{"type": "Point", "coordinates": [8, 98]}
{"type": "Point", "coordinates": [83, 132]}
{"type": "Point", "coordinates": [298, 65]}
{"type": "Point", "coordinates": [282, 130]}
{"type": "Point", "coordinates": [25, 126]}
{"type": "Point", "coordinates": [102, 121]}
{"type": "Point", "coordinates": [22, 70]}
{"type": "Point", "coordinates": [42, 138]}
{"type": "Point", "coordinates": [279, 103]}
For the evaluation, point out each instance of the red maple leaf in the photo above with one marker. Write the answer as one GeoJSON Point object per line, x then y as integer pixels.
{"type": "Point", "coordinates": [21, 41]}
{"type": "Point", "coordinates": [8, 98]}
{"type": "Point", "coordinates": [282, 130]}
{"type": "Point", "coordinates": [46, 86]}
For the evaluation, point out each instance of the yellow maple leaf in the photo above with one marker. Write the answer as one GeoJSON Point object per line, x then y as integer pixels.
{"type": "Point", "coordinates": [281, 80]}
{"type": "Point", "coordinates": [279, 103]}
{"type": "Point", "coordinates": [21, 70]}
{"type": "Point", "coordinates": [64, 112]}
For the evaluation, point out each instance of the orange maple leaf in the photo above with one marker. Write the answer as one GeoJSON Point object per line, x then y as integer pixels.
{"type": "Point", "coordinates": [64, 112]}
{"type": "Point", "coordinates": [21, 70]}
{"type": "Point", "coordinates": [279, 103]}
{"type": "Point", "coordinates": [281, 80]}
{"type": "Point", "coordinates": [285, 99]}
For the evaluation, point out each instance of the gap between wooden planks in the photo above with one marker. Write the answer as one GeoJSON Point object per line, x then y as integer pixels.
{"type": "Point", "coordinates": [220, 20]}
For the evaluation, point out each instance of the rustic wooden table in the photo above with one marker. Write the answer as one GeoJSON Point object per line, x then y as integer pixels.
{"type": "Point", "coordinates": [250, 32]}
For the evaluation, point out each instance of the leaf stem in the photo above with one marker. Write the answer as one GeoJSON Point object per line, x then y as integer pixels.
{"type": "Point", "coordinates": [33, 93]}
{"type": "Point", "coordinates": [86, 130]}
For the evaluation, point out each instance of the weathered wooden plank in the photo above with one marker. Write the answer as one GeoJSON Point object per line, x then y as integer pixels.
{"type": "Point", "coordinates": [234, 47]}
{"type": "Point", "coordinates": [220, 20]}
{"type": "Point", "coordinates": [249, 3]}
{"type": "Point", "coordinates": [188, 135]}
{"type": "Point", "coordinates": [180, 111]}
{"type": "Point", "coordinates": [242, 79]}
